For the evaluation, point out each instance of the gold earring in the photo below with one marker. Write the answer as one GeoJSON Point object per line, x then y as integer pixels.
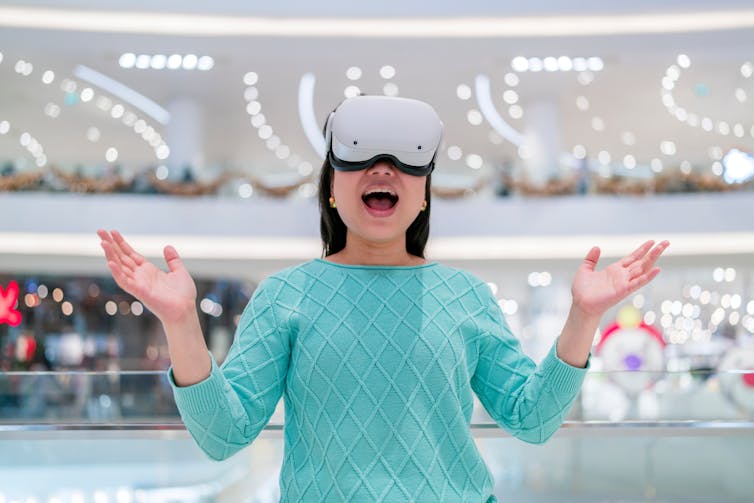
{"type": "Point", "coordinates": [332, 202]}
{"type": "Point", "coordinates": [424, 205]}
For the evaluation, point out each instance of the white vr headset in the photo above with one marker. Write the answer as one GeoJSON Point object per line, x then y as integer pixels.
{"type": "Point", "coordinates": [367, 129]}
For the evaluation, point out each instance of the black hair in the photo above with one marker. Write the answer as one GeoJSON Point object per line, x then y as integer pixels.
{"type": "Point", "coordinates": [333, 230]}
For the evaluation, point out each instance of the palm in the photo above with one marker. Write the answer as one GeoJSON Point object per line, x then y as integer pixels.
{"type": "Point", "coordinates": [166, 294]}
{"type": "Point", "coordinates": [596, 291]}
{"type": "Point", "coordinates": [162, 291]}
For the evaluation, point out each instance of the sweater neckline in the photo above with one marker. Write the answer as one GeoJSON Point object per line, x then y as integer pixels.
{"type": "Point", "coordinates": [377, 267]}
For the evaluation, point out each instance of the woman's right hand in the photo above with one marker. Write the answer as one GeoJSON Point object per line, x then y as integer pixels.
{"type": "Point", "coordinates": [169, 295]}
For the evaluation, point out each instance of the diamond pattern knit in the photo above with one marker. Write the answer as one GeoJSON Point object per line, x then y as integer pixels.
{"type": "Point", "coordinates": [376, 365]}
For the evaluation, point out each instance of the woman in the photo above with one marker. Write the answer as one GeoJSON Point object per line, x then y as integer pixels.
{"type": "Point", "coordinates": [375, 350]}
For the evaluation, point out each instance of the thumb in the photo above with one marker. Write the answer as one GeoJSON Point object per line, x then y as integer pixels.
{"type": "Point", "coordinates": [590, 262]}
{"type": "Point", "coordinates": [172, 258]}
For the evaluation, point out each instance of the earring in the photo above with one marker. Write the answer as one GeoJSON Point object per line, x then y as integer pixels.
{"type": "Point", "coordinates": [332, 202]}
{"type": "Point", "coordinates": [424, 205]}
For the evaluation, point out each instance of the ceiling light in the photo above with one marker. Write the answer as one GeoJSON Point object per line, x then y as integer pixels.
{"type": "Point", "coordinates": [585, 78]}
{"type": "Point", "coordinates": [520, 64]}
{"type": "Point", "coordinates": [463, 92]}
{"type": "Point", "coordinates": [87, 94]}
{"type": "Point", "coordinates": [142, 61]}
{"type": "Point", "coordinates": [747, 69]}
{"type": "Point", "coordinates": [273, 142]}
{"type": "Point", "coordinates": [265, 132]}
{"type": "Point", "coordinates": [253, 107]}
{"type": "Point", "coordinates": [565, 64]}
{"type": "Point", "coordinates": [250, 78]}
{"type": "Point", "coordinates": [515, 111]}
{"type": "Point", "coordinates": [205, 63]}
{"type": "Point", "coordinates": [251, 93]}
{"type": "Point", "coordinates": [387, 72]}
{"type": "Point", "coordinates": [93, 134]}
{"type": "Point", "coordinates": [351, 91]}
{"type": "Point", "coordinates": [484, 100]}
{"type": "Point", "coordinates": [111, 155]}
{"type": "Point", "coordinates": [353, 73]}
{"type": "Point", "coordinates": [307, 117]}
{"type": "Point", "coordinates": [511, 79]}
{"type": "Point", "coordinates": [510, 96]}
{"type": "Point", "coordinates": [390, 89]}
{"type": "Point", "coordinates": [474, 117]}
{"type": "Point", "coordinates": [474, 161]}
{"type": "Point", "coordinates": [454, 152]}
{"type": "Point", "coordinates": [190, 61]}
{"type": "Point", "coordinates": [550, 64]}
{"type": "Point", "coordinates": [123, 92]}
{"type": "Point", "coordinates": [595, 64]}
{"type": "Point", "coordinates": [667, 147]}
{"type": "Point", "coordinates": [158, 61]}
{"type": "Point", "coordinates": [258, 120]}
{"type": "Point", "coordinates": [174, 61]}
{"type": "Point", "coordinates": [162, 152]}
{"type": "Point", "coordinates": [683, 61]}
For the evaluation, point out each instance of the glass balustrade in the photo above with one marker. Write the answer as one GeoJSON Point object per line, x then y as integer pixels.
{"type": "Point", "coordinates": [75, 437]}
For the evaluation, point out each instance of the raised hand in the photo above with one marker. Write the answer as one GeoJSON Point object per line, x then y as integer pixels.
{"type": "Point", "coordinates": [594, 292]}
{"type": "Point", "coordinates": [169, 295]}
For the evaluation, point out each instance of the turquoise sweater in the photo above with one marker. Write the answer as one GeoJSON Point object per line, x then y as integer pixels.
{"type": "Point", "coordinates": [376, 365]}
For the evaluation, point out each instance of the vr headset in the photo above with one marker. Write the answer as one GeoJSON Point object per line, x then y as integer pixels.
{"type": "Point", "coordinates": [366, 129]}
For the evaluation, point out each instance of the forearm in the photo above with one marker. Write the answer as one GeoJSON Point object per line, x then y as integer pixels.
{"type": "Point", "coordinates": [189, 355]}
{"type": "Point", "coordinates": [576, 339]}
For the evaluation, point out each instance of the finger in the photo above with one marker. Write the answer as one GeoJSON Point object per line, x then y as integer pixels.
{"type": "Point", "coordinates": [113, 254]}
{"type": "Point", "coordinates": [120, 278]}
{"type": "Point", "coordinates": [133, 254]}
{"type": "Point", "coordinates": [648, 261]}
{"type": "Point", "coordinates": [642, 280]}
{"type": "Point", "coordinates": [103, 235]}
{"type": "Point", "coordinates": [590, 261]}
{"type": "Point", "coordinates": [171, 257]}
{"type": "Point", "coordinates": [637, 254]}
{"type": "Point", "coordinates": [125, 258]}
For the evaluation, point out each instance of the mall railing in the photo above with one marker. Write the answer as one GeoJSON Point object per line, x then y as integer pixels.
{"type": "Point", "coordinates": [117, 437]}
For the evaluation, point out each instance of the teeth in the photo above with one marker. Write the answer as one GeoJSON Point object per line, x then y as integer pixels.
{"type": "Point", "coordinates": [372, 191]}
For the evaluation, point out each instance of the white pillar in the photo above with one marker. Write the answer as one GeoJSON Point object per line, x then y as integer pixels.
{"type": "Point", "coordinates": [184, 136]}
{"type": "Point", "coordinates": [542, 139]}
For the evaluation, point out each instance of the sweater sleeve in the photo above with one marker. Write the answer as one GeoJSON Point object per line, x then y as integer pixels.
{"type": "Point", "coordinates": [226, 411]}
{"type": "Point", "coordinates": [528, 400]}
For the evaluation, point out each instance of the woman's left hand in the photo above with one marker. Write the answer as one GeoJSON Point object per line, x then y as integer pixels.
{"type": "Point", "coordinates": [594, 292]}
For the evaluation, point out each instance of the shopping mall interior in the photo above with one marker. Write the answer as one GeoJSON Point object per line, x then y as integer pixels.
{"type": "Point", "coordinates": [200, 125]}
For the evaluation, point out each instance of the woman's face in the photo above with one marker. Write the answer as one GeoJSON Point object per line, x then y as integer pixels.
{"type": "Point", "coordinates": [379, 203]}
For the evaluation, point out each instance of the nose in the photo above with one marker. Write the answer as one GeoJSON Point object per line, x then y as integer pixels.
{"type": "Point", "coordinates": [382, 166]}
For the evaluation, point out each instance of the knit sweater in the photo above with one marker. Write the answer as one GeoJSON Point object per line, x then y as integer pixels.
{"type": "Point", "coordinates": [376, 366]}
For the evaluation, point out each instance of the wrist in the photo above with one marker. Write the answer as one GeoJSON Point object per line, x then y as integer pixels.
{"type": "Point", "coordinates": [578, 313]}
{"type": "Point", "coordinates": [180, 317]}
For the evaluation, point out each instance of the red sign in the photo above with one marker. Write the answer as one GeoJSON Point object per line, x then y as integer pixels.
{"type": "Point", "coordinates": [8, 299]}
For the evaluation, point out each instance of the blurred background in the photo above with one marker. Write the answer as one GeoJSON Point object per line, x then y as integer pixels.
{"type": "Point", "coordinates": [199, 125]}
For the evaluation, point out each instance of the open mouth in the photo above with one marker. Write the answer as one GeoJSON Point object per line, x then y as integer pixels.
{"type": "Point", "coordinates": [380, 200]}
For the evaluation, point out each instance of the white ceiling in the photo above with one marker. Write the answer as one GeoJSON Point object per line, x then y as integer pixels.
{"type": "Point", "coordinates": [626, 94]}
